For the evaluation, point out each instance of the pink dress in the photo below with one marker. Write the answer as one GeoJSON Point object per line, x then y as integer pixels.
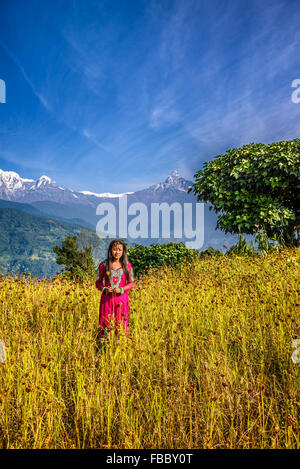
{"type": "Point", "coordinates": [118, 303]}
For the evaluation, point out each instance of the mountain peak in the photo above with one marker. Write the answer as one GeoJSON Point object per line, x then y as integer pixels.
{"type": "Point", "coordinates": [9, 173]}
{"type": "Point", "coordinates": [173, 178]}
{"type": "Point", "coordinates": [175, 173]}
{"type": "Point", "coordinates": [43, 181]}
{"type": "Point", "coordinates": [12, 180]}
{"type": "Point", "coordinates": [174, 182]}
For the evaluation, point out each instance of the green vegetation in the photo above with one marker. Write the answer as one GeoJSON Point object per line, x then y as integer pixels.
{"type": "Point", "coordinates": [145, 258]}
{"type": "Point", "coordinates": [172, 254]}
{"type": "Point", "coordinates": [256, 188]}
{"type": "Point", "coordinates": [78, 260]}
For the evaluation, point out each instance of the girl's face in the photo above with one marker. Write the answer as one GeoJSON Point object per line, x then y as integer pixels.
{"type": "Point", "coordinates": [117, 251]}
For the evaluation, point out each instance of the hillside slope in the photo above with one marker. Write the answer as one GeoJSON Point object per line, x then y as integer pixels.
{"type": "Point", "coordinates": [26, 242]}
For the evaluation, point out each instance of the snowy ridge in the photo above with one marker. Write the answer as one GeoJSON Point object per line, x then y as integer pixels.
{"type": "Point", "coordinates": [12, 180]}
{"type": "Point", "coordinates": [105, 194]}
{"type": "Point", "coordinates": [15, 188]}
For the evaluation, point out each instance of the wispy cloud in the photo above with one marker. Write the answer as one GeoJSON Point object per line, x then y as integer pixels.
{"type": "Point", "coordinates": [16, 61]}
{"type": "Point", "coordinates": [164, 112]}
{"type": "Point", "coordinates": [239, 103]}
{"type": "Point", "coordinates": [86, 133]}
{"type": "Point", "coordinates": [176, 34]}
{"type": "Point", "coordinates": [14, 158]}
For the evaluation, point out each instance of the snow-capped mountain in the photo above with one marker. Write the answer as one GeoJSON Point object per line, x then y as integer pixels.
{"type": "Point", "coordinates": [173, 182]}
{"type": "Point", "coordinates": [104, 194]}
{"type": "Point", "coordinates": [11, 183]}
{"type": "Point", "coordinates": [15, 188]}
{"type": "Point", "coordinates": [173, 189]}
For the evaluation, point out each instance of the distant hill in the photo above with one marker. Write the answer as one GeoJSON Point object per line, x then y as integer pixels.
{"type": "Point", "coordinates": [82, 214]}
{"type": "Point", "coordinates": [26, 242]}
{"type": "Point", "coordinates": [20, 206]}
{"type": "Point", "coordinates": [50, 209]}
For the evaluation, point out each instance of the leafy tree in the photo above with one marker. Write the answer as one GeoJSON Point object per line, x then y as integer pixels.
{"type": "Point", "coordinates": [255, 187]}
{"type": "Point", "coordinates": [78, 260]}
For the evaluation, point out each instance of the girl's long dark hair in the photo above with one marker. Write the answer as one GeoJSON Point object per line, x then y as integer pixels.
{"type": "Point", "coordinates": [123, 260]}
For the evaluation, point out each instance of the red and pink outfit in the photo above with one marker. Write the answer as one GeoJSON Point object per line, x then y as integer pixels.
{"type": "Point", "coordinates": [119, 300]}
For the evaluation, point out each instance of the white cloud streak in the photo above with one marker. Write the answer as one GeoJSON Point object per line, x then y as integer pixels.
{"type": "Point", "coordinates": [18, 64]}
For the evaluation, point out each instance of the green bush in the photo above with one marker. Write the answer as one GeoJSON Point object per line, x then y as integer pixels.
{"type": "Point", "coordinates": [242, 248]}
{"type": "Point", "coordinates": [211, 252]}
{"type": "Point", "coordinates": [154, 256]}
{"type": "Point", "coordinates": [264, 246]}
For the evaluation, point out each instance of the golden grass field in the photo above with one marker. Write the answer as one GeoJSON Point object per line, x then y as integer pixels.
{"type": "Point", "coordinates": [207, 363]}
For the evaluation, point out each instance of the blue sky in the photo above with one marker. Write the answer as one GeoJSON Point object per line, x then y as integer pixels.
{"type": "Point", "coordinates": [114, 95]}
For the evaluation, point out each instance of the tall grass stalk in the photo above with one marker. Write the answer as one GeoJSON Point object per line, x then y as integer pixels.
{"type": "Point", "coordinates": [207, 363]}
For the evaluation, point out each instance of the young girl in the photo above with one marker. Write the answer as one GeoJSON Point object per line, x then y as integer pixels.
{"type": "Point", "coordinates": [117, 273]}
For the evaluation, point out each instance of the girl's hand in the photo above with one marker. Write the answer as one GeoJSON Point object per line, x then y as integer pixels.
{"type": "Point", "coordinates": [109, 290]}
{"type": "Point", "coordinates": [117, 290]}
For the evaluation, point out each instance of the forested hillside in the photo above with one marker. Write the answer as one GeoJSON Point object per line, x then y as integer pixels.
{"type": "Point", "coordinates": [26, 242]}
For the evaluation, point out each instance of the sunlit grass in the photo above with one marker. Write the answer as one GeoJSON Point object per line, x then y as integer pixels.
{"type": "Point", "coordinates": [207, 363]}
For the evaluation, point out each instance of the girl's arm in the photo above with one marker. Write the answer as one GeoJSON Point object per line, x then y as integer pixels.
{"type": "Point", "coordinates": [99, 281]}
{"type": "Point", "coordinates": [130, 284]}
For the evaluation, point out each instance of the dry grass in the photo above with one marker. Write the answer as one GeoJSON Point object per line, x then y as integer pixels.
{"type": "Point", "coordinates": [207, 364]}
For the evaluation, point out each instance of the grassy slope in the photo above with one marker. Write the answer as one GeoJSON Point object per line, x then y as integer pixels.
{"type": "Point", "coordinates": [207, 364]}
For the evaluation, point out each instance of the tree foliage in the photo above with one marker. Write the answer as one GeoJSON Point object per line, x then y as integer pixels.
{"type": "Point", "coordinates": [255, 187]}
{"type": "Point", "coordinates": [78, 260]}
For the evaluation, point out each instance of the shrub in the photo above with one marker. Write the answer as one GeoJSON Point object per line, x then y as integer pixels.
{"type": "Point", "coordinates": [154, 256]}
